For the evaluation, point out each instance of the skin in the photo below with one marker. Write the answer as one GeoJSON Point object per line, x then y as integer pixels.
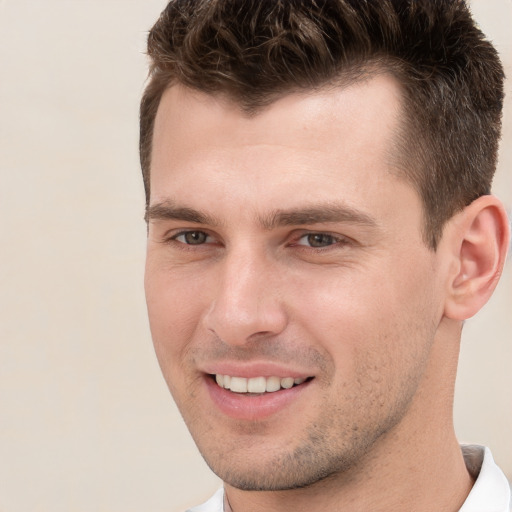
{"type": "Point", "coordinates": [286, 242]}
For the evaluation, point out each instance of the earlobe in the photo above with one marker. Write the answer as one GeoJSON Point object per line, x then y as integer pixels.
{"type": "Point", "coordinates": [480, 238]}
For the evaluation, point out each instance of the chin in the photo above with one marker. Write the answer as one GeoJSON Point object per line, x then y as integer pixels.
{"type": "Point", "coordinates": [302, 468]}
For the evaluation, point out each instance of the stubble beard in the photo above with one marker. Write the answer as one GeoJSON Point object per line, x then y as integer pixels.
{"type": "Point", "coordinates": [330, 450]}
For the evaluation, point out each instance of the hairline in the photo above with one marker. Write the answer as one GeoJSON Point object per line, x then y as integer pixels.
{"type": "Point", "coordinates": [399, 159]}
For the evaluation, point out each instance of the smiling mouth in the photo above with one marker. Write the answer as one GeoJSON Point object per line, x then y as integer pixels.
{"type": "Point", "coordinates": [257, 385]}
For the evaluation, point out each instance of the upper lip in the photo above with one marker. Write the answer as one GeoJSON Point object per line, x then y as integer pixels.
{"type": "Point", "coordinates": [253, 369]}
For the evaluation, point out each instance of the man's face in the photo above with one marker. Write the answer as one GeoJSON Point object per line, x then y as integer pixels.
{"type": "Point", "coordinates": [283, 249]}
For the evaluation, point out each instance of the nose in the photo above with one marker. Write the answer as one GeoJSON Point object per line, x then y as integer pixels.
{"type": "Point", "coordinates": [246, 303]}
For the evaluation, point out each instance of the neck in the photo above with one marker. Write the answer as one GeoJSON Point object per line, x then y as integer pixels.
{"type": "Point", "coordinates": [418, 465]}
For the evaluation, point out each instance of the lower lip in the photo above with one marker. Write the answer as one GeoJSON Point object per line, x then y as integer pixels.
{"type": "Point", "coordinates": [241, 406]}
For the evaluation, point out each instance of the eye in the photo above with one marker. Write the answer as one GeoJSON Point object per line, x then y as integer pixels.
{"type": "Point", "coordinates": [192, 237]}
{"type": "Point", "coordinates": [318, 240]}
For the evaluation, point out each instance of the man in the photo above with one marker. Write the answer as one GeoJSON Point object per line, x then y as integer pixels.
{"type": "Point", "coordinates": [320, 225]}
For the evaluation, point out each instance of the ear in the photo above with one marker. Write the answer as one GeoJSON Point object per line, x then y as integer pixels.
{"type": "Point", "coordinates": [479, 238]}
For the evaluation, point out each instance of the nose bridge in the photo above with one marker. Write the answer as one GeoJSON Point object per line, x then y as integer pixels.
{"type": "Point", "coordinates": [246, 300]}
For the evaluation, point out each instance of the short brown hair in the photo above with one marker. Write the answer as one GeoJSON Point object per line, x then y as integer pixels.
{"type": "Point", "coordinates": [255, 51]}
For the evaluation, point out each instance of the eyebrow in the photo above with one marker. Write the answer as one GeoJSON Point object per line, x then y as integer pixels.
{"type": "Point", "coordinates": [317, 214]}
{"type": "Point", "coordinates": [168, 210]}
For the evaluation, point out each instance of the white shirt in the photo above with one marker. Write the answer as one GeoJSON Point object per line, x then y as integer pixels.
{"type": "Point", "coordinates": [491, 492]}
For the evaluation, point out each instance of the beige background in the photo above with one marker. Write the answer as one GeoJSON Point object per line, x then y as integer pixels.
{"type": "Point", "coordinates": [86, 422]}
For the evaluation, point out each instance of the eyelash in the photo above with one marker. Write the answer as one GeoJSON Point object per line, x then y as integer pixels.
{"type": "Point", "coordinates": [336, 240]}
{"type": "Point", "coordinates": [190, 232]}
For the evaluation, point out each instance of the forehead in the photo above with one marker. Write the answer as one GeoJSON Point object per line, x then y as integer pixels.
{"type": "Point", "coordinates": [307, 143]}
{"type": "Point", "coordinates": [330, 114]}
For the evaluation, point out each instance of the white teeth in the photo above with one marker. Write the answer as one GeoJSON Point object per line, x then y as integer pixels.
{"type": "Point", "coordinates": [256, 384]}
{"type": "Point", "coordinates": [287, 382]}
{"type": "Point", "coordinates": [273, 384]}
{"type": "Point", "coordinates": [238, 385]}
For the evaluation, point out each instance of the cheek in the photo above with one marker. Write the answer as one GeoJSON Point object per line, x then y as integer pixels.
{"type": "Point", "coordinates": [400, 327]}
{"type": "Point", "coordinates": [175, 305]}
{"type": "Point", "coordinates": [377, 315]}
{"type": "Point", "coordinates": [341, 310]}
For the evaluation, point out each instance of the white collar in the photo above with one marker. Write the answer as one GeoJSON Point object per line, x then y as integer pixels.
{"type": "Point", "coordinates": [491, 492]}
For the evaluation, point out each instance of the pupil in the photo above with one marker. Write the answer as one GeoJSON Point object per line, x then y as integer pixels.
{"type": "Point", "coordinates": [319, 240]}
{"type": "Point", "coordinates": [195, 237]}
